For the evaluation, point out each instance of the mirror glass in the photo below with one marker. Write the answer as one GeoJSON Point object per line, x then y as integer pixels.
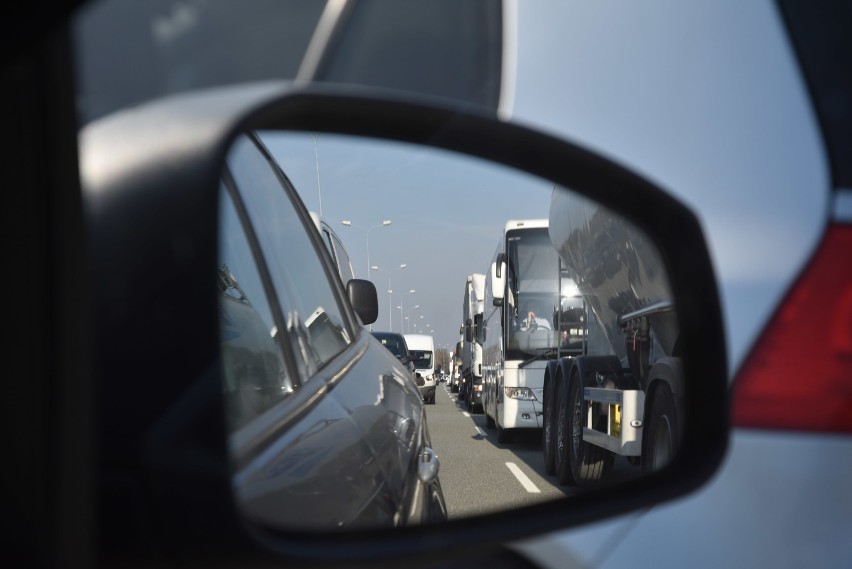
{"type": "Point", "coordinates": [569, 384]}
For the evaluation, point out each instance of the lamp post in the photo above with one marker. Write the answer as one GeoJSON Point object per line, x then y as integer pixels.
{"type": "Point", "coordinates": [390, 292]}
{"type": "Point", "coordinates": [367, 230]}
{"type": "Point", "coordinates": [415, 307]}
{"type": "Point", "coordinates": [401, 297]}
{"type": "Point", "coordinates": [316, 161]}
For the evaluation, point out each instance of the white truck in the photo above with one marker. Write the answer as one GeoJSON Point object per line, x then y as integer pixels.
{"type": "Point", "coordinates": [470, 390]}
{"type": "Point", "coordinates": [455, 380]}
{"type": "Point", "coordinates": [618, 392]}
{"type": "Point", "coordinates": [519, 333]}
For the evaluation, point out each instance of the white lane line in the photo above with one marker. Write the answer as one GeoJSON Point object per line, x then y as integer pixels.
{"type": "Point", "coordinates": [465, 413]}
{"type": "Point", "coordinates": [522, 478]}
{"type": "Point", "coordinates": [481, 432]}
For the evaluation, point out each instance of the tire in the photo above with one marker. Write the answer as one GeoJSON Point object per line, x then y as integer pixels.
{"type": "Point", "coordinates": [578, 462]}
{"type": "Point", "coordinates": [548, 432]}
{"type": "Point", "coordinates": [561, 465]}
{"type": "Point", "coordinates": [660, 435]}
{"type": "Point", "coordinates": [504, 436]}
{"type": "Point", "coordinates": [489, 422]}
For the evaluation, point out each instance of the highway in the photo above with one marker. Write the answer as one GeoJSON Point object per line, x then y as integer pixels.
{"type": "Point", "coordinates": [479, 475]}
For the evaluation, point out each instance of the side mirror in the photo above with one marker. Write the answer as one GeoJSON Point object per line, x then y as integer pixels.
{"type": "Point", "coordinates": [478, 328]}
{"type": "Point", "coordinates": [498, 279]}
{"type": "Point", "coordinates": [364, 299]}
{"type": "Point", "coordinates": [180, 419]}
{"type": "Point", "coordinates": [468, 330]}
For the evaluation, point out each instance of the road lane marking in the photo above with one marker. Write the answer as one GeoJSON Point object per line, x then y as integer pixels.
{"type": "Point", "coordinates": [481, 432]}
{"type": "Point", "coordinates": [465, 413]}
{"type": "Point", "coordinates": [522, 478]}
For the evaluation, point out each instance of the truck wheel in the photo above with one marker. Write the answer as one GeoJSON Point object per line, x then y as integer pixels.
{"type": "Point", "coordinates": [659, 437]}
{"type": "Point", "coordinates": [548, 433]}
{"type": "Point", "coordinates": [560, 454]}
{"type": "Point", "coordinates": [585, 462]}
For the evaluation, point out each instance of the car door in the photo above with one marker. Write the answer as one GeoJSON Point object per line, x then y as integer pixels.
{"type": "Point", "coordinates": [316, 470]}
{"type": "Point", "coordinates": [361, 424]}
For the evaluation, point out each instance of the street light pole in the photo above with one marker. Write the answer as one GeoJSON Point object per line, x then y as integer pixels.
{"type": "Point", "coordinates": [401, 297]}
{"type": "Point", "coordinates": [417, 306]}
{"type": "Point", "coordinates": [316, 160]}
{"type": "Point", "coordinates": [384, 223]}
{"type": "Point", "coordinates": [390, 293]}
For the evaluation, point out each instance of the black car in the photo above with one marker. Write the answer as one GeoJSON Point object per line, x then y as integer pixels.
{"type": "Point", "coordinates": [351, 456]}
{"type": "Point", "coordinates": [397, 346]}
{"type": "Point", "coordinates": [315, 440]}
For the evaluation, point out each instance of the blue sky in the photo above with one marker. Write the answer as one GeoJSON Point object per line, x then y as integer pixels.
{"type": "Point", "coordinates": [443, 227]}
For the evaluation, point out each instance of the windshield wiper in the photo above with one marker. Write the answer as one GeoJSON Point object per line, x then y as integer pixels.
{"type": "Point", "coordinates": [544, 354]}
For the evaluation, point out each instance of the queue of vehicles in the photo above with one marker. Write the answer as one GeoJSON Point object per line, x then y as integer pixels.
{"type": "Point", "coordinates": [577, 337]}
{"type": "Point", "coordinates": [470, 392]}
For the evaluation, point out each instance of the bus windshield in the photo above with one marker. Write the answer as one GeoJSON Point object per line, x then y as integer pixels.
{"type": "Point", "coordinates": [532, 293]}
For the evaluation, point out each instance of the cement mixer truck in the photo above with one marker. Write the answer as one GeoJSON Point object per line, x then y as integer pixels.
{"type": "Point", "coordinates": [616, 387]}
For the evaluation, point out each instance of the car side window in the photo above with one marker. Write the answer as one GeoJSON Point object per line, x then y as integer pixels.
{"type": "Point", "coordinates": [255, 375]}
{"type": "Point", "coordinates": [313, 311]}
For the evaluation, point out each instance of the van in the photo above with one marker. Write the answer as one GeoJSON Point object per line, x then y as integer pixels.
{"type": "Point", "coordinates": [422, 350]}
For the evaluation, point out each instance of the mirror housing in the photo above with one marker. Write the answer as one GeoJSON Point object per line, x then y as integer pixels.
{"type": "Point", "coordinates": [498, 279]}
{"type": "Point", "coordinates": [170, 438]}
{"type": "Point", "coordinates": [468, 330]}
{"type": "Point", "coordinates": [364, 299]}
{"type": "Point", "coordinates": [478, 328]}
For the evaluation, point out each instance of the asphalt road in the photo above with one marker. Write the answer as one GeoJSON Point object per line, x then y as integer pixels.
{"type": "Point", "coordinates": [478, 474]}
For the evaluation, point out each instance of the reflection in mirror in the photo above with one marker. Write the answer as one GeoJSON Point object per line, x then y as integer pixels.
{"type": "Point", "coordinates": [553, 366]}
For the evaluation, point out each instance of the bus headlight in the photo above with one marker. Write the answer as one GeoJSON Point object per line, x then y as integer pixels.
{"type": "Point", "coordinates": [523, 393]}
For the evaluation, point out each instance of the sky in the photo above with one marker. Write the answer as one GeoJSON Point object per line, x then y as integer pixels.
{"type": "Point", "coordinates": [447, 213]}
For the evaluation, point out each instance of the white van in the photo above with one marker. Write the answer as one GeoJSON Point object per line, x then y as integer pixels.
{"type": "Point", "coordinates": [422, 350]}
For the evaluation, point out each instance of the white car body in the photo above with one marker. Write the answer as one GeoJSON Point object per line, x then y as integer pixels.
{"type": "Point", "coordinates": [706, 100]}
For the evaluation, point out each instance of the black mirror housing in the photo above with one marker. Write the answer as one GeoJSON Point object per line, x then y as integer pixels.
{"type": "Point", "coordinates": [364, 299]}
{"type": "Point", "coordinates": [170, 439]}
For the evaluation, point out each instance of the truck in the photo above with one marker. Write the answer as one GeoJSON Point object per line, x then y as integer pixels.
{"type": "Point", "coordinates": [471, 330]}
{"type": "Point", "coordinates": [455, 382]}
{"type": "Point", "coordinates": [619, 391]}
{"type": "Point", "coordinates": [519, 330]}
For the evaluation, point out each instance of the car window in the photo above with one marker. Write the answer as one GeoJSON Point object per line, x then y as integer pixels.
{"type": "Point", "coordinates": [255, 375]}
{"type": "Point", "coordinates": [395, 344]}
{"type": "Point", "coordinates": [313, 313]}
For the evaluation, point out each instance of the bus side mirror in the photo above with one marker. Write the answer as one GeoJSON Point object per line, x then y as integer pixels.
{"type": "Point", "coordinates": [498, 279]}
{"type": "Point", "coordinates": [468, 330]}
{"type": "Point", "coordinates": [479, 328]}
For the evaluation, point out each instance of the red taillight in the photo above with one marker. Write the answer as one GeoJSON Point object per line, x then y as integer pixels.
{"type": "Point", "coordinates": [799, 374]}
